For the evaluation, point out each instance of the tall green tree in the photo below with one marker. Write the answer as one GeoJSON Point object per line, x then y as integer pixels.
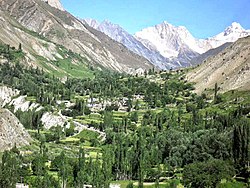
{"type": "Point", "coordinates": [9, 170]}
{"type": "Point", "coordinates": [38, 165]}
{"type": "Point", "coordinates": [64, 169]}
{"type": "Point", "coordinates": [82, 173]}
{"type": "Point", "coordinates": [241, 146]}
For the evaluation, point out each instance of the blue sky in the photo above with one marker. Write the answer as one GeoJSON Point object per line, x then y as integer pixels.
{"type": "Point", "coordinates": [203, 18]}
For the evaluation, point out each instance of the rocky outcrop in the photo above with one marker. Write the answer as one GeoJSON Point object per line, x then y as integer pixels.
{"type": "Point", "coordinates": [12, 131]}
{"type": "Point", "coordinates": [6, 94]}
{"type": "Point", "coordinates": [9, 96]}
{"type": "Point", "coordinates": [20, 103]}
{"type": "Point", "coordinates": [52, 120]}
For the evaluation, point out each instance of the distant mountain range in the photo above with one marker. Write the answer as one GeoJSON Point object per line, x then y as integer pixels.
{"type": "Point", "coordinates": [167, 46]}
{"type": "Point", "coordinates": [48, 34]}
{"type": "Point", "coordinates": [118, 34]}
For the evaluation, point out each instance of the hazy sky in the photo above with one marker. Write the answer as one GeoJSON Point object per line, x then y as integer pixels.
{"type": "Point", "coordinates": [203, 18]}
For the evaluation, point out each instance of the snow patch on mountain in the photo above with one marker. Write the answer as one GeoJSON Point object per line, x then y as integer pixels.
{"type": "Point", "coordinates": [91, 22]}
{"type": "Point", "coordinates": [55, 3]}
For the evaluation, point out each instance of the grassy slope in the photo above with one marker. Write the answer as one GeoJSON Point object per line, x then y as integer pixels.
{"type": "Point", "coordinates": [72, 64]}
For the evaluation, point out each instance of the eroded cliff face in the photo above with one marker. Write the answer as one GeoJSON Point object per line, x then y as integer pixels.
{"type": "Point", "coordinates": [12, 132]}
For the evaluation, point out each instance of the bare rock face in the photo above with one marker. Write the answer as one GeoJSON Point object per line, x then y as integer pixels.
{"type": "Point", "coordinates": [55, 3]}
{"type": "Point", "coordinates": [6, 94]}
{"type": "Point", "coordinates": [51, 120]}
{"type": "Point", "coordinates": [12, 131]}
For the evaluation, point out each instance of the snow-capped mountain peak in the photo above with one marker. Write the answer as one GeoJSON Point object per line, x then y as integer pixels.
{"type": "Point", "coordinates": [167, 39]}
{"type": "Point", "coordinates": [230, 34]}
{"type": "Point", "coordinates": [170, 40]}
{"type": "Point", "coordinates": [118, 34]}
{"type": "Point", "coordinates": [234, 27]}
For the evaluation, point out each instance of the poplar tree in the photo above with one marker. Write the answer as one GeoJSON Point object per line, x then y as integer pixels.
{"type": "Point", "coordinates": [9, 170]}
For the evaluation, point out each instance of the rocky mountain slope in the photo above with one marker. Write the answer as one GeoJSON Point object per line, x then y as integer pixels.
{"type": "Point", "coordinates": [12, 131]}
{"type": "Point", "coordinates": [41, 29]}
{"type": "Point", "coordinates": [230, 69]}
{"type": "Point", "coordinates": [199, 59]}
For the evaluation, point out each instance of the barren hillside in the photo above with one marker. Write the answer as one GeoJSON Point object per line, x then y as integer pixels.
{"type": "Point", "coordinates": [230, 69]}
